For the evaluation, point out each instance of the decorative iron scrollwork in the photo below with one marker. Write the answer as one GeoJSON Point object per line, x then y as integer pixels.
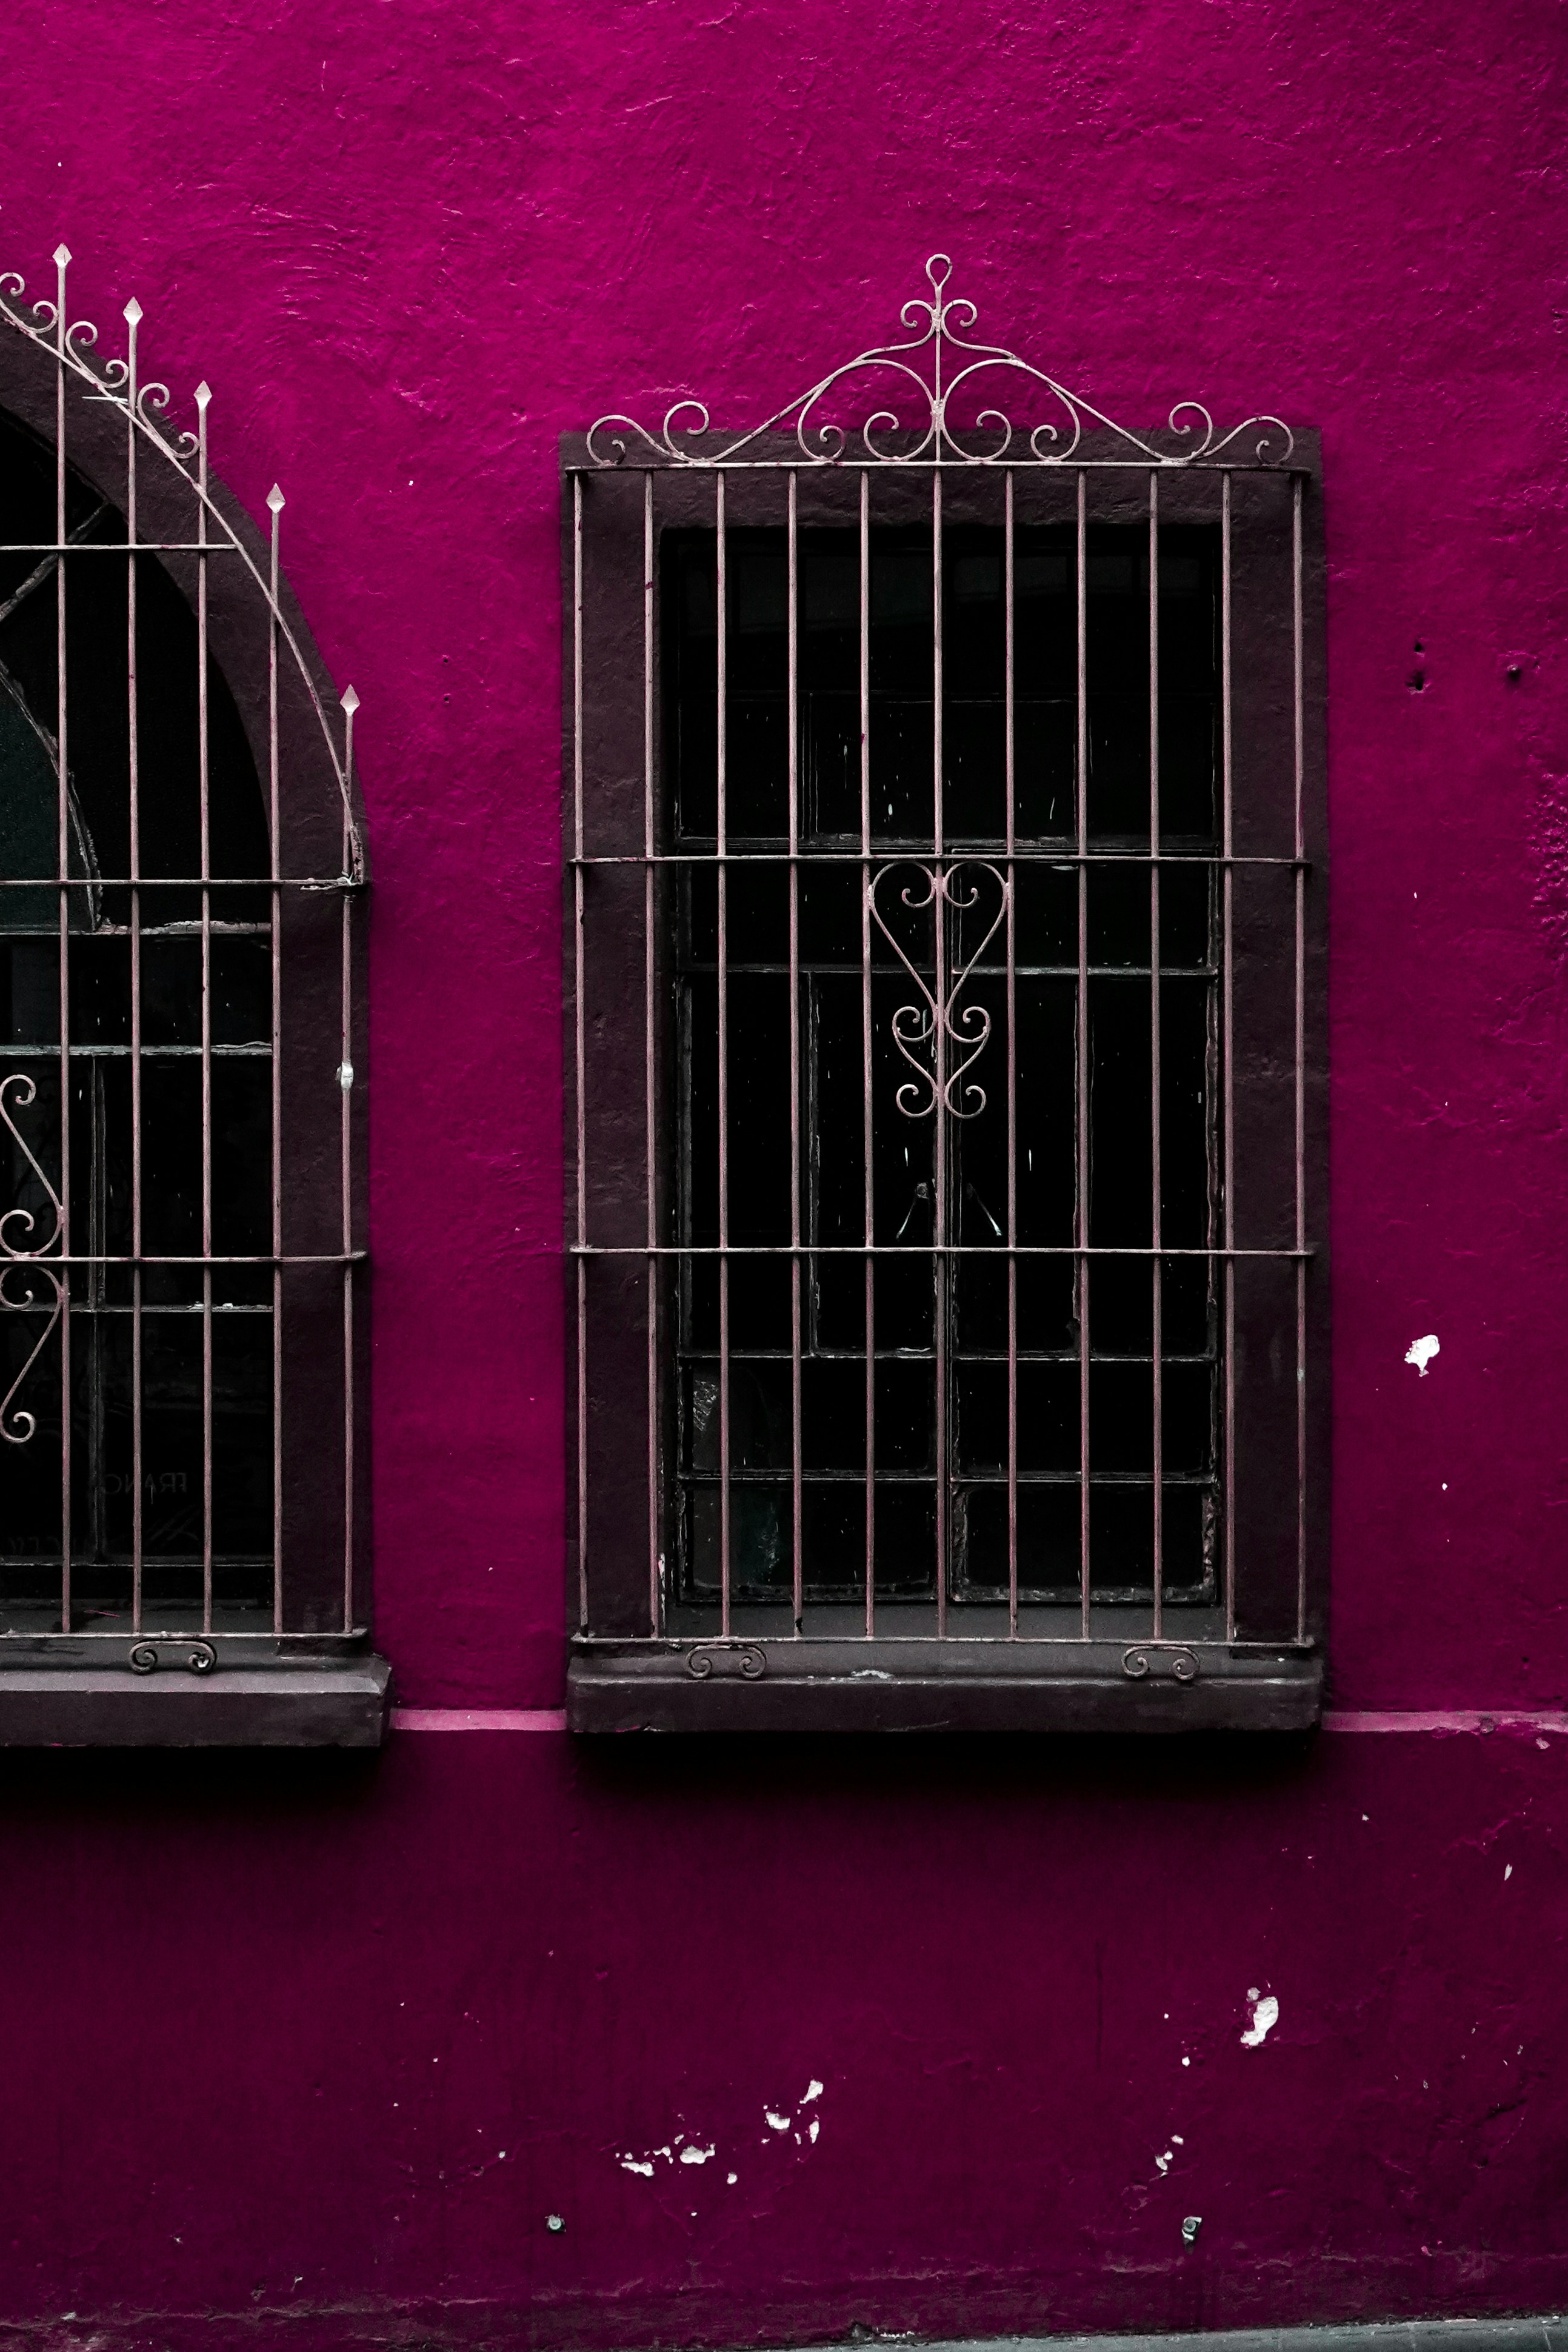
{"type": "Point", "coordinates": [748, 1660]}
{"type": "Point", "coordinates": [1148, 1658]}
{"type": "Point", "coordinates": [25, 1277]}
{"type": "Point", "coordinates": [927, 371]}
{"type": "Point", "coordinates": [928, 1023]}
{"type": "Point", "coordinates": [199, 1657]}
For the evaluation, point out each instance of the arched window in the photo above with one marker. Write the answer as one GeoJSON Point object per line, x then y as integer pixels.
{"type": "Point", "coordinates": [183, 1538]}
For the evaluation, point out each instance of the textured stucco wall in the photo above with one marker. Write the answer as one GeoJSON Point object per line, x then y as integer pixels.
{"type": "Point", "coordinates": [270, 2024]}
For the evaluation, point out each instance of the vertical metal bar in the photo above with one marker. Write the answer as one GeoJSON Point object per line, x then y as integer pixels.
{"type": "Point", "coordinates": [1229, 1060]}
{"type": "Point", "coordinates": [62, 256]}
{"type": "Point", "coordinates": [867, 1132]}
{"type": "Point", "coordinates": [275, 501]}
{"type": "Point", "coordinates": [345, 1088]}
{"type": "Point", "coordinates": [792, 721]}
{"type": "Point", "coordinates": [1081, 1109]}
{"type": "Point", "coordinates": [649, 1107]}
{"type": "Point", "coordinates": [1008, 691]}
{"type": "Point", "coordinates": [581, 1051]}
{"type": "Point", "coordinates": [939, 1127]}
{"type": "Point", "coordinates": [1300, 888]}
{"type": "Point", "coordinates": [204, 798]}
{"type": "Point", "coordinates": [722, 616]}
{"type": "Point", "coordinates": [133, 315]}
{"type": "Point", "coordinates": [1156, 1303]}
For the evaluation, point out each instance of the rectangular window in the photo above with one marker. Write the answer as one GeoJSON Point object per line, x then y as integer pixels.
{"type": "Point", "coordinates": [944, 1039]}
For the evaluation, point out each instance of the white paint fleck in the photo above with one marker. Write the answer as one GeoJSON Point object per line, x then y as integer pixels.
{"type": "Point", "coordinates": [1508, 1870]}
{"type": "Point", "coordinates": [1252, 1990]}
{"type": "Point", "coordinates": [1421, 1353]}
{"type": "Point", "coordinates": [731, 2177]}
{"type": "Point", "coordinates": [814, 2091]}
{"type": "Point", "coordinates": [1265, 2017]}
{"type": "Point", "coordinates": [780, 2122]}
{"type": "Point", "coordinates": [632, 2163]}
{"type": "Point", "coordinates": [1176, 2140]}
{"type": "Point", "coordinates": [1163, 2164]}
{"type": "Point", "coordinates": [1186, 2061]}
{"type": "Point", "coordinates": [694, 2155]}
{"type": "Point", "coordinates": [815, 2129]}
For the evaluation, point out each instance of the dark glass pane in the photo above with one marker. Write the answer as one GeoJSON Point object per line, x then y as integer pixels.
{"type": "Point", "coordinates": [872, 945]}
{"type": "Point", "coordinates": [133, 1181]}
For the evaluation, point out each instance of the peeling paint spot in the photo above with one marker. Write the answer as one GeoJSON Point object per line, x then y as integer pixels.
{"type": "Point", "coordinates": [814, 2091]}
{"type": "Point", "coordinates": [632, 2163]}
{"type": "Point", "coordinates": [731, 2177]}
{"type": "Point", "coordinates": [1265, 2017]}
{"type": "Point", "coordinates": [1421, 1353]}
{"type": "Point", "coordinates": [1176, 2140]}
{"type": "Point", "coordinates": [815, 2129]}
{"type": "Point", "coordinates": [780, 2122]}
{"type": "Point", "coordinates": [1508, 1870]}
{"type": "Point", "coordinates": [694, 2155]}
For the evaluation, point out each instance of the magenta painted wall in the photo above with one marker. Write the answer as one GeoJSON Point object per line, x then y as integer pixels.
{"type": "Point", "coordinates": [270, 2023]}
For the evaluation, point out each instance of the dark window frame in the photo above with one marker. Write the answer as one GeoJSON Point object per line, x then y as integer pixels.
{"type": "Point", "coordinates": [310, 1674]}
{"type": "Point", "coordinates": [1252, 1656]}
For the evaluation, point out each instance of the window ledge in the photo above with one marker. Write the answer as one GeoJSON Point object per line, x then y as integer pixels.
{"type": "Point", "coordinates": [1122, 1685]}
{"type": "Point", "coordinates": [338, 1703]}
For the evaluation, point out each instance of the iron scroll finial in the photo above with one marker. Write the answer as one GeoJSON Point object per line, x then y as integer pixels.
{"type": "Point", "coordinates": [923, 374]}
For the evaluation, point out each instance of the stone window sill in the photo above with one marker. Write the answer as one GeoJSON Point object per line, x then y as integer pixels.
{"type": "Point", "coordinates": [332, 1702]}
{"type": "Point", "coordinates": [855, 1686]}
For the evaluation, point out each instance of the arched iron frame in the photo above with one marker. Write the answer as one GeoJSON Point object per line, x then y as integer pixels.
{"type": "Point", "coordinates": [107, 423]}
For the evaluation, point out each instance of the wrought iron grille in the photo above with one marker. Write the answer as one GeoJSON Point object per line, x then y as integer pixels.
{"type": "Point", "coordinates": [944, 816]}
{"type": "Point", "coordinates": [180, 858]}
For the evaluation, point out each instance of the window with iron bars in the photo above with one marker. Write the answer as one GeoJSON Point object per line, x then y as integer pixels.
{"type": "Point", "coordinates": [182, 1339]}
{"type": "Point", "coordinates": [945, 1060]}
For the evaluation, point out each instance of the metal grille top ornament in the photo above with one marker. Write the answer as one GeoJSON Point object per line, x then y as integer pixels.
{"type": "Point", "coordinates": [118, 384]}
{"type": "Point", "coordinates": [937, 363]}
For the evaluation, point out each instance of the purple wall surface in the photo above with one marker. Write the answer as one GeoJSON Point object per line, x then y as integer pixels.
{"type": "Point", "coordinates": [272, 2023]}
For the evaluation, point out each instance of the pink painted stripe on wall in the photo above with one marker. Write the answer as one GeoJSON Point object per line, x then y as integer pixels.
{"type": "Point", "coordinates": [479, 1718]}
{"type": "Point", "coordinates": [553, 1718]}
{"type": "Point", "coordinates": [1464, 1718]}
